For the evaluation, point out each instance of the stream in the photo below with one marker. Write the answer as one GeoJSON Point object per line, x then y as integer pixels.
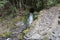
{"type": "Point", "coordinates": [30, 20]}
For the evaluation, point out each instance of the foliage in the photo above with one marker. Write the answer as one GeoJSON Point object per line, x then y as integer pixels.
{"type": "Point", "coordinates": [21, 36]}
{"type": "Point", "coordinates": [58, 1]}
{"type": "Point", "coordinates": [51, 2]}
{"type": "Point", "coordinates": [3, 2]}
{"type": "Point", "coordinates": [38, 4]}
{"type": "Point", "coordinates": [35, 15]}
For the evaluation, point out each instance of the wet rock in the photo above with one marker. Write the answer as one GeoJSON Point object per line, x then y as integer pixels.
{"type": "Point", "coordinates": [50, 39]}
{"type": "Point", "coordinates": [8, 39]}
{"type": "Point", "coordinates": [59, 17]}
{"type": "Point", "coordinates": [19, 23]}
{"type": "Point", "coordinates": [59, 22]}
{"type": "Point", "coordinates": [19, 27]}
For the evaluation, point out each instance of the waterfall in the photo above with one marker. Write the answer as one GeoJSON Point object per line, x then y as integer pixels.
{"type": "Point", "coordinates": [30, 19]}
{"type": "Point", "coordinates": [8, 39]}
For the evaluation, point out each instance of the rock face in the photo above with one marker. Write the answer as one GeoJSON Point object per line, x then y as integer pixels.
{"type": "Point", "coordinates": [47, 26]}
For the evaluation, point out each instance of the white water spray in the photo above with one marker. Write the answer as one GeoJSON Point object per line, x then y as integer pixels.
{"type": "Point", "coordinates": [8, 39]}
{"type": "Point", "coordinates": [30, 19]}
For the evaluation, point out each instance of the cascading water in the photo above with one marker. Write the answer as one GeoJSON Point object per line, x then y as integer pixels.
{"type": "Point", "coordinates": [8, 39]}
{"type": "Point", "coordinates": [30, 17]}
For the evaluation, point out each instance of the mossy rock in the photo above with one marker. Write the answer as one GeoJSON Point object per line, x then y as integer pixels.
{"type": "Point", "coordinates": [35, 15]}
{"type": "Point", "coordinates": [21, 36]}
{"type": "Point", "coordinates": [26, 31]}
{"type": "Point", "coordinates": [46, 37]}
{"type": "Point", "coordinates": [23, 18]}
{"type": "Point", "coordinates": [5, 34]}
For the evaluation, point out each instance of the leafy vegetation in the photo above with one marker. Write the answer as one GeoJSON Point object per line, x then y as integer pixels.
{"type": "Point", "coordinates": [3, 2]}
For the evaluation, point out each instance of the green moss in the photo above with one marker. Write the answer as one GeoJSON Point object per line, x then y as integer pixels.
{"type": "Point", "coordinates": [35, 15]}
{"type": "Point", "coordinates": [11, 26]}
{"type": "Point", "coordinates": [21, 36]}
{"type": "Point", "coordinates": [5, 34]}
{"type": "Point", "coordinates": [26, 31]}
{"type": "Point", "coordinates": [2, 19]}
{"type": "Point", "coordinates": [15, 20]}
{"type": "Point", "coordinates": [45, 37]}
{"type": "Point", "coordinates": [23, 18]}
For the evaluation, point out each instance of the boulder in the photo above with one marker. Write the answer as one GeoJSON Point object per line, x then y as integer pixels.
{"type": "Point", "coordinates": [46, 27]}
